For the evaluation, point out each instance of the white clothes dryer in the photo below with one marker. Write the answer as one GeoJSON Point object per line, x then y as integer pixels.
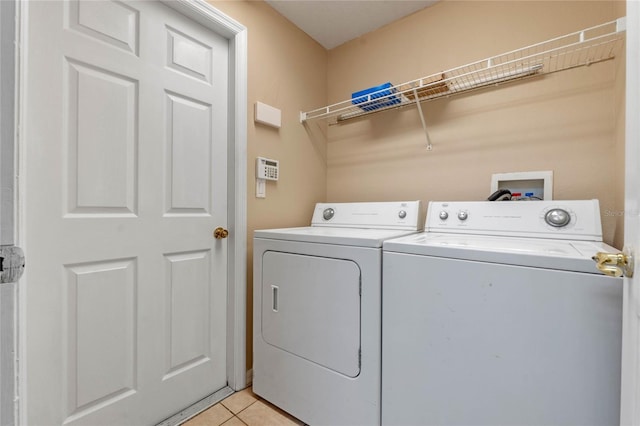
{"type": "Point", "coordinates": [497, 315]}
{"type": "Point", "coordinates": [316, 311]}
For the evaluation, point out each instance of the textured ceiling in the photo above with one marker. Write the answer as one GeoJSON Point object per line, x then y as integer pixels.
{"type": "Point", "coordinates": [334, 22]}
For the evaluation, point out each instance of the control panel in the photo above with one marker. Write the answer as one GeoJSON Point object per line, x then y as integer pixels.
{"type": "Point", "coordinates": [570, 219]}
{"type": "Point", "coordinates": [385, 215]}
{"type": "Point", "coordinates": [267, 168]}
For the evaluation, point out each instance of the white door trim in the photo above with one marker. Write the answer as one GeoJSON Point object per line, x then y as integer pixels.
{"type": "Point", "coordinates": [630, 392]}
{"type": "Point", "coordinates": [204, 14]}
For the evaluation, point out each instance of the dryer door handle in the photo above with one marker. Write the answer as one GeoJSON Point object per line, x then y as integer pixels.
{"type": "Point", "coordinates": [274, 298]}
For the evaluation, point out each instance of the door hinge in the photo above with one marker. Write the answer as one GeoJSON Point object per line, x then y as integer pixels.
{"type": "Point", "coordinates": [360, 287]}
{"type": "Point", "coordinates": [615, 264]}
{"type": "Point", "coordinates": [360, 358]}
{"type": "Point", "coordinates": [11, 264]}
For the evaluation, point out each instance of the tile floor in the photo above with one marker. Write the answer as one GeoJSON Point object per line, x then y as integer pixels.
{"type": "Point", "coordinates": [243, 408]}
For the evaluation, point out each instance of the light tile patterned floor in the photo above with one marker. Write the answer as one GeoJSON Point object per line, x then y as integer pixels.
{"type": "Point", "coordinates": [243, 408]}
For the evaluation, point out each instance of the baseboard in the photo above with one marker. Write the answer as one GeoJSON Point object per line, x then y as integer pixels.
{"type": "Point", "coordinates": [249, 377]}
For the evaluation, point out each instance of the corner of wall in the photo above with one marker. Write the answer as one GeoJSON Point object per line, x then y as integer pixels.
{"type": "Point", "coordinates": [286, 70]}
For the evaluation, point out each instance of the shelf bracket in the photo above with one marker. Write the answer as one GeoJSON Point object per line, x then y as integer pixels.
{"type": "Point", "coordinates": [424, 124]}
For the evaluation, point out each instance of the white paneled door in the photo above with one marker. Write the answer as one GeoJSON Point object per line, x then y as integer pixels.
{"type": "Point", "coordinates": [630, 397]}
{"type": "Point", "coordinates": [125, 179]}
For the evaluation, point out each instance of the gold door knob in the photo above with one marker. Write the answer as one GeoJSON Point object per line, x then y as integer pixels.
{"type": "Point", "coordinates": [615, 264]}
{"type": "Point", "coordinates": [220, 233]}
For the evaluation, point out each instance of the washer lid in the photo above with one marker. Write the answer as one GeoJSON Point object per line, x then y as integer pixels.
{"type": "Point", "coordinates": [339, 236]}
{"type": "Point", "coordinates": [564, 255]}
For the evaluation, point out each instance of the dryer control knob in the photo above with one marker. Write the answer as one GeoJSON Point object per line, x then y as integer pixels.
{"type": "Point", "coordinates": [327, 214]}
{"type": "Point", "coordinates": [443, 215]}
{"type": "Point", "coordinates": [402, 214]}
{"type": "Point", "coordinates": [463, 215]}
{"type": "Point", "coordinates": [557, 217]}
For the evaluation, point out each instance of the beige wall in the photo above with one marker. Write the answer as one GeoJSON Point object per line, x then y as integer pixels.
{"type": "Point", "coordinates": [566, 122]}
{"type": "Point", "coordinates": [287, 70]}
{"type": "Point", "coordinates": [570, 122]}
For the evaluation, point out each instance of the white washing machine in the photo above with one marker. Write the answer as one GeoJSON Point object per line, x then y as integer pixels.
{"type": "Point", "coordinates": [316, 311]}
{"type": "Point", "coordinates": [497, 315]}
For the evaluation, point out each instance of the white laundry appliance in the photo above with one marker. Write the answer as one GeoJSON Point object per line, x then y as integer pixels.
{"type": "Point", "coordinates": [497, 315]}
{"type": "Point", "coordinates": [316, 311]}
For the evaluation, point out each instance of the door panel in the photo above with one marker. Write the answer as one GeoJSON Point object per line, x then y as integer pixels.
{"type": "Point", "coordinates": [188, 128]}
{"type": "Point", "coordinates": [101, 329]}
{"type": "Point", "coordinates": [101, 130]}
{"type": "Point", "coordinates": [125, 180]}
{"type": "Point", "coordinates": [189, 56]}
{"type": "Point", "coordinates": [114, 23]}
{"type": "Point", "coordinates": [630, 404]}
{"type": "Point", "coordinates": [189, 304]}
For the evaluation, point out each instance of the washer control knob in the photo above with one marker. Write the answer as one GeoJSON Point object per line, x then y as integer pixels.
{"type": "Point", "coordinates": [557, 217]}
{"type": "Point", "coordinates": [463, 215]}
{"type": "Point", "coordinates": [443, 215]}
{"type": "Point", "coordinates": [327, 214]}
{"type": "Point", "coordinates": [402, 214]}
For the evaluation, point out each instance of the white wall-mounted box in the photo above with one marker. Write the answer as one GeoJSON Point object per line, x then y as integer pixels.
{"type": "Point", "coordinates": [529, 185]}
{"type": "Point", "coordinates": [266, 114]}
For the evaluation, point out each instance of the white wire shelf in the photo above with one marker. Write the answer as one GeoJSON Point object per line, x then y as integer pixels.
{"type": "Point", "coordinates": [582, 48]}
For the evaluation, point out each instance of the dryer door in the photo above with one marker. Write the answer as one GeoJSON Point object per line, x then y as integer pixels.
{"type": "Point", "coordinates": [311, 308]}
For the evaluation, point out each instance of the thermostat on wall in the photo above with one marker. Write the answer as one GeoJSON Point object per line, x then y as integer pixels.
{"type": "Point", "coordinates": [267, 168]}
{"type": "Point", "coordinates": [525, 185]}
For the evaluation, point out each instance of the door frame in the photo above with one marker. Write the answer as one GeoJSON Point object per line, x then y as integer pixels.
{"type": "Point", "coordinates": [206, 15]}
{"type": "Point", "coordinates": [630, 389]}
